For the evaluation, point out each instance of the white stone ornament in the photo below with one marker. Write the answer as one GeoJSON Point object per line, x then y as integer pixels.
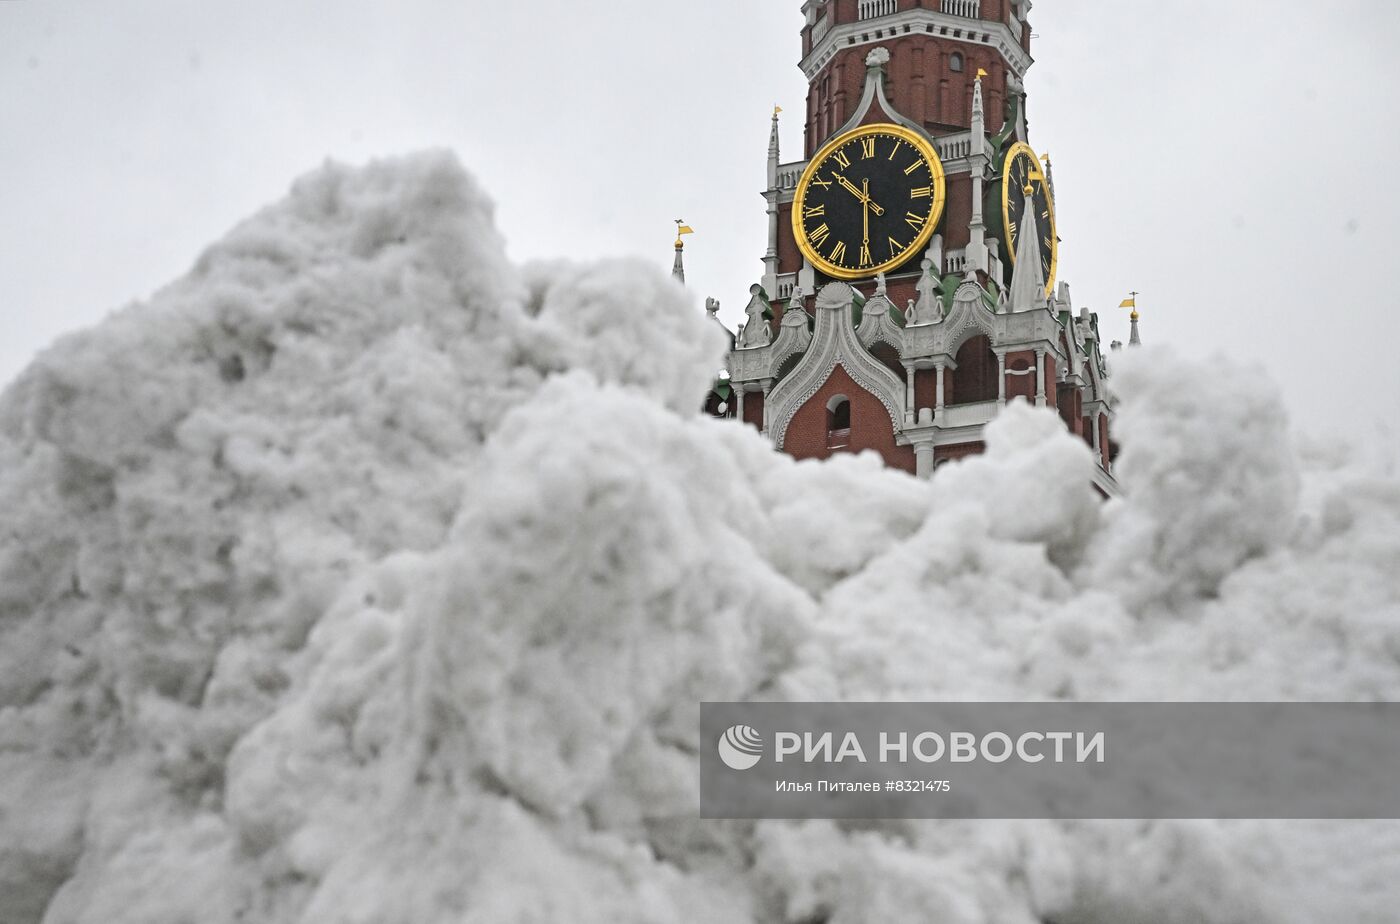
{"type": "Point", "coordinates": [756, 332]}
{"type": "Point", "coordinates": [834, 296]}
{"type": "Point", "coordinates": [928, 309]}
{"type": "Point", "coordinates": [934, 254]}
{"type": "Point", "coordinates": [878, 57]}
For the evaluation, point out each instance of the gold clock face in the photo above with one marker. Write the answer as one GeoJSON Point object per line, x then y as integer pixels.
{"type": "Point", "coordinates": [869, 201]}
{"type": "Point", "coordinates": [1022, 169]}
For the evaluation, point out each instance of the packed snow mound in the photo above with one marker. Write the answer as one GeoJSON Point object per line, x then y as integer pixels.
{"type": "Point", "coordinates": [361, 576]}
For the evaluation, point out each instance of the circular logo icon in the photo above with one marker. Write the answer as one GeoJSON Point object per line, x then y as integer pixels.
{"type": "Point", "coordinates": [740, 747]}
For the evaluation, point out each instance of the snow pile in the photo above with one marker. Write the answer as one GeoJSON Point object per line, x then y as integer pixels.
{"type": "Point", "coordinates": [361, 576]}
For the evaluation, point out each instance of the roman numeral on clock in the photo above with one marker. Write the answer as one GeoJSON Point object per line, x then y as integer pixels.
{"type": "Point", "coordinates": [895, 247]}
{"type": "Point", "coordinates": [819, 235]}
{"type": "Point", "coordinates": [865, 255]}
{"type": "Point", "coordinates": [867, 148]}
{"type": "Point", "coordinates": [922, 192]}
{"type": "Point", "coordinates": [841, 158]}
{"type": "Point", "coordinates": [912, 167]}
{"type": "Point", "coordinates": [838, 253]}
{"type": "Point", "coordinates": [824, 184]}
{"type": "Point", "coordinates": [916, 221]}
{"type": "Point", "coordinates": [815, 211]}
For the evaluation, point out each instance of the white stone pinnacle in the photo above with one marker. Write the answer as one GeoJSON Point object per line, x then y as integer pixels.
{"type": "Point", "coordinates": [1028, 279]}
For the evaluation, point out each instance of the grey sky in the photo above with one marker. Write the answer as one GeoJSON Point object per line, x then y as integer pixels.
{"type": "Point", "coordinates": [1233, 161]}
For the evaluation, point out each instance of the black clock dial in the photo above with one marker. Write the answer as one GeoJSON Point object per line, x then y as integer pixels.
{"type": "Point", "coordinates": [869, 201]}
{"type": "Point", "coordinates": [1022, 172]}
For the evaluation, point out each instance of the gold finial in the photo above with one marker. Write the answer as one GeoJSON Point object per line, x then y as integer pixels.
{"type": "Point", "coordinates": [1029, 190]}
{"type": "Point", "coordinates": [776, 109]}
{"type": "Point", "coordinates": [1134, 316]}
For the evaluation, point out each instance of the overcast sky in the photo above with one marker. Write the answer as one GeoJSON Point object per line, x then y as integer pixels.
{"type": "Point", "coordinates": [1235, 162]}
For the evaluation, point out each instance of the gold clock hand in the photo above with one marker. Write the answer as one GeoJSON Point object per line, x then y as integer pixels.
{"type": "Point", "coordinates": [865, 212]}
{"type": "Point", "coordinates": [851, 187]}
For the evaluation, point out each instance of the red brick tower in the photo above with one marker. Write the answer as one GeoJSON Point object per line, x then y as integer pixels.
{"type": "Point", "coordinates": [912, 362]}
{"type": "Point", "coordinates": [936, 50]}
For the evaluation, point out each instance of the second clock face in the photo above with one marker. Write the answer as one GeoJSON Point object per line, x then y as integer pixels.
{"type": "Point", "coordinates": [1023, 170]}
{"type": "Point", "coordinates": [869, 201]}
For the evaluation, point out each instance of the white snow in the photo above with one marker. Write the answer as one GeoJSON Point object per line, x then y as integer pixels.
{"type": "Point", "coordinates": [361, 576]}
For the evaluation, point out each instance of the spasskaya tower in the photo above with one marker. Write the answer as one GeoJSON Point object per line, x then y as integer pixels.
{"type": "Point", "coordinates": [909, 288]}
{"type": "Point", "coordinates": [936, 51]}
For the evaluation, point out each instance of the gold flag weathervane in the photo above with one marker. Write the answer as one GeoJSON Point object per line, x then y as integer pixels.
{"type": "Point", "coordinates": [981, 73]}
{"type": "Point", "coordinates": [1131, 302]}
{"type": "Point", "coordinates": [776, 109]}
{"type": "Point", "coordinates": [682, 229]}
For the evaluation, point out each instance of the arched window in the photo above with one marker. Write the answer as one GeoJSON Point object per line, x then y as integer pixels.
{"type": "Point", "coordinates": [838, 422]}
{"type": "Point", "coordinates": [955, 62]}
{"type": "Point", "coordinates": [975, 379]}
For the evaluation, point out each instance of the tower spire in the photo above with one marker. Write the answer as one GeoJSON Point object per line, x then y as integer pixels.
{"type": "Point", "coordinates": [773, 147]}
{"type": "Point", "coordinates": [1028, 278]}
{"type": "Point", "coordinates": [1131, 302]}
{"type": "Point", "coordinates": [678, 268]}
{"type": "Point", "coordinates": [1049, 174]}
{"type": "Point", "coordinates": [770, 257]}
{"type": "Point", "coordinates": [978, 162]}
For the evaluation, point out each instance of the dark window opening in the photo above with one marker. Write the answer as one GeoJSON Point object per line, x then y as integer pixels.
{"type": "Point", "coordinates": [838, 423]}
{"type": "Point", "coordinates": [975, 378]}
{"type": "Point", "coordinates": [889, 356]}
